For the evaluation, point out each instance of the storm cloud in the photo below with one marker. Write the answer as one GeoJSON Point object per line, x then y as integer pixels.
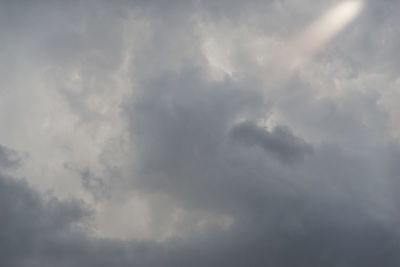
{"type": "Point", "coordinates": [178, 133]}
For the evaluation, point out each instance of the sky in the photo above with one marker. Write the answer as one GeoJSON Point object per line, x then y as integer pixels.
{"type": "Point", "coordinates": [199, 133]}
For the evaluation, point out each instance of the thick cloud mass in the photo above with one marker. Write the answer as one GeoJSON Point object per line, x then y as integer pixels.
{"type": "Point", "coordinates": [170, 133]}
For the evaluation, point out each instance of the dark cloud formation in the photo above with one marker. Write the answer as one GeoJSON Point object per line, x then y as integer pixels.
{"type": "Point", "coordinates": [33, 231]}
{"type": "Point", "coordinates": [280, 142]}
{"type": "Point", "coordinates": [8, 158]}
{"type": "Point", "coordinates": [330, 223]}
{"type": "Point", "coordinates": [319, 189]}
{"type": "Point", "coordinates": [326, 210]}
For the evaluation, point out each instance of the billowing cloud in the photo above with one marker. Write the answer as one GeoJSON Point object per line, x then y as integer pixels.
{"type": "Point", "coordinates": [155, 133]}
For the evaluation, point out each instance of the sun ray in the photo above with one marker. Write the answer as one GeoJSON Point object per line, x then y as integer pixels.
{"type": "Point", "coordinates": [316, 36]}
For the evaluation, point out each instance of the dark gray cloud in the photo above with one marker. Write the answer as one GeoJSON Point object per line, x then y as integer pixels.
{"type": "Point", "coordinates": [8, 158]}
{"type": "Point", "coordinates": [39, 232]}
{"type": "Point", "coordinates": [326, 210]}
{"type": "Point", "coordinates": [280, 142]}
{"type": "Point", "coordinates": [178, 86]}
{"type": "Point", "coordinates": [309, 229]}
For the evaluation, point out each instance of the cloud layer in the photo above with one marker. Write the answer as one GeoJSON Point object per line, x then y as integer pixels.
{"type": "Point", "coordinates": [153, 133]}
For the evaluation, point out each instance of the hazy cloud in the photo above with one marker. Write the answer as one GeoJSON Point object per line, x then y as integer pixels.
{"type": "Point", "coordinates": [170, 133]}
{"type": "Point", "coordinates": [8, 158]}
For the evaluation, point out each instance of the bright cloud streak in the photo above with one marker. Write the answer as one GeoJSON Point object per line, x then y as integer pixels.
{"type": "Point", "coordinates": [322, 31]}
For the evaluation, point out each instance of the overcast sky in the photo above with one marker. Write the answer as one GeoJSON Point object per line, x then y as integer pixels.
{"type": "Point", "coordinates": [199, 133]}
